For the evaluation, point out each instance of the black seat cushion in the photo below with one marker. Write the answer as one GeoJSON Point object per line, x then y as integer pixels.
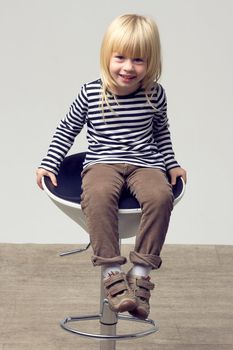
{"type": "Point", "coordinates": [69, 183]}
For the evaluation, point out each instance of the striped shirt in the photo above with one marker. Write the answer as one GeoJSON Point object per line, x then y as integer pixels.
{"type": "Point", "coordinates": [129, 131]}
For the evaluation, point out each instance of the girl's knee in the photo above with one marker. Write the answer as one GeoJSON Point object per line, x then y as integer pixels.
{"type": "Point", "coordinates": [159, 198]}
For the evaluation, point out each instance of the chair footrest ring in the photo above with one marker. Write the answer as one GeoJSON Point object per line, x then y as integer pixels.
{"type": "Point", "coordinates": [64, 324]}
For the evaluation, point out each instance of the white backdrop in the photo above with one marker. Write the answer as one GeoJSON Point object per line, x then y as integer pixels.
{"type": "Point", "coordinates": [50, 47]}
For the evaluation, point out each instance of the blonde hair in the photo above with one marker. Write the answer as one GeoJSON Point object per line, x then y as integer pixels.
{"type": "Point", "coordinates": [133, 36]}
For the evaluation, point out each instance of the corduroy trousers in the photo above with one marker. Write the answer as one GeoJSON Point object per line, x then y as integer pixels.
{"type": "Point", "coordinates": [101, 188]}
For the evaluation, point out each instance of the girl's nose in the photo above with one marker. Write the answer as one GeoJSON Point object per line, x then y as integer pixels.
{"type": "Point", "coordinates": [128, 66]}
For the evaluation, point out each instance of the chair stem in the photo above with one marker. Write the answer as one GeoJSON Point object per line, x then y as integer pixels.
{"type": "Point", "coordinates": [108, 320]}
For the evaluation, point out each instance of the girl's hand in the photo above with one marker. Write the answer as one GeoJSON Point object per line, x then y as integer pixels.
{"type": "Point", "coordinates": [40, 172]}
{"type": "Point", "coordinates": [176, 172]}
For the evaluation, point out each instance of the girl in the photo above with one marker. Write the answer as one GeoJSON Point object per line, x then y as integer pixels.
{"type": "Point", "coordinates": [129, 145]}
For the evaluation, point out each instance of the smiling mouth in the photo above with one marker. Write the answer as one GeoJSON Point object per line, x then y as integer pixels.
{"type": "Point", "coordinates": [128, 77]}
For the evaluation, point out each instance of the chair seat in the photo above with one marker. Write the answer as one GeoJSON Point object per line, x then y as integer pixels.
{"type": "Point", "coordinates": [69, 184]}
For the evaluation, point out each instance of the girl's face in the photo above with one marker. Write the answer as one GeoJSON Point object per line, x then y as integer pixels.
{"type": "Point", "coordinates": [127, 72]}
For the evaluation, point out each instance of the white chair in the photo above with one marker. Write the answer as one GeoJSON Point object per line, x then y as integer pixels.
{"type": "Point", "coordinates": [67, 196]}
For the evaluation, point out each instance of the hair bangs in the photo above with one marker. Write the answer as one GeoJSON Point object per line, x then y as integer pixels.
{"type": "Point", "coordinates": [131, 44]}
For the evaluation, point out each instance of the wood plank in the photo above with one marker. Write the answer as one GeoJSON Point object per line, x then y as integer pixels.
{"type": "Point", "coordinates": [192, 300]}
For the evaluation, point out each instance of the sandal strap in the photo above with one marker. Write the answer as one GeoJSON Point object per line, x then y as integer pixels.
{"type": "Point", "coordinates": [114, 279]}
{"type": "Point", "coordinates": [145, 284]}
{"type": "Point", "coordinates": [143, 293]}
{"type": "Point", "coordinates": [117, 288]}
{"type": "Point", "coordinates": [140, 282]}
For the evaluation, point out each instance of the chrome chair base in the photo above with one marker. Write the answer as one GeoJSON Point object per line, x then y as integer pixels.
{"type": "Point", "coordinates": [101, 317]}
{"type": "Point", "coordinates": [107, 319]}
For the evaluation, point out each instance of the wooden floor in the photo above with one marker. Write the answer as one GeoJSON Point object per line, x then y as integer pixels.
{"type": "Point", "coordinates": [193, 299]}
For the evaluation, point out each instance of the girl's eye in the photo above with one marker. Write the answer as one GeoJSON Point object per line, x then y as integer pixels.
{"type": "Point", "coordinates": [138, 60]}
{"type": "Point", "coordinates": [119, 57]}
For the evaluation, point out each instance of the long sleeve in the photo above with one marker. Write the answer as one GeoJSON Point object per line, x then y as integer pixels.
{"type": "Point", "coordinates": [64, 136]}
{"type": "Point", "coordinates": [161, 131]}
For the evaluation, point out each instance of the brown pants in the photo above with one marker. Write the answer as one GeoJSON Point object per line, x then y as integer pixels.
{"type": "Point", "coordinates": [102, 185]}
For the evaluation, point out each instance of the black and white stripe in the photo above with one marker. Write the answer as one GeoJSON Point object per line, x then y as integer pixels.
{"type": "Point", "coordinates": [131, 131]}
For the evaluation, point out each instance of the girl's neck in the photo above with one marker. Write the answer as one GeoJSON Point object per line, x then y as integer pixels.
{"type": "Point", "coordinates": [123, 91]}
